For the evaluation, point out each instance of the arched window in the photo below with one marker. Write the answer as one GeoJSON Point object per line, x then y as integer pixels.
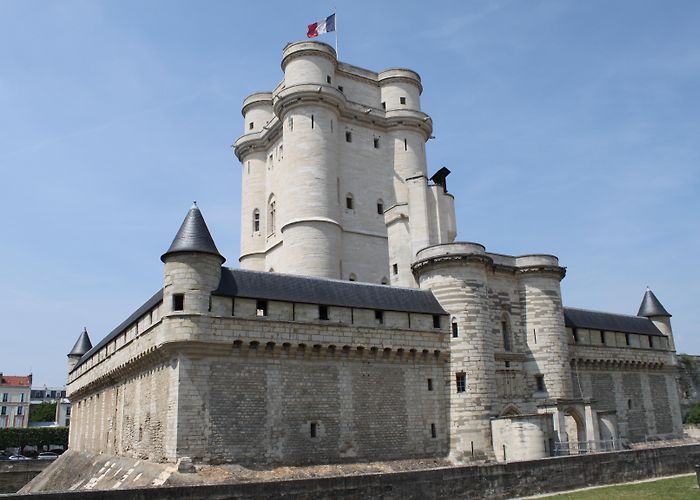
{"type": "Point", "coordinates": [349, 201]}
{"type": "Point", "coordinates": [455, 328]}
{"type": "Point", "coordinates": [256, 220]}
{"type": "Point", "coordinates": [271, 214]}
{"type": "Point", "coordinates": [352, 277]}
{"type": "Point", "coordinates": [380, 207]}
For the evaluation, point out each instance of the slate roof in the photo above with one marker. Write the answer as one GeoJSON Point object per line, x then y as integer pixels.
{"type": "Point", "coordinates": [156, 299]}
{"type": "Point", "coordinates": [303, 289]}
{"type": "Point", "coordinates": [193, 236]}
{"type": "Point", "coordinates": [82, 345]}
{"type": "Point", "coordinates": [651, 306]}
{"type": "Point", "coordinates": [597, 320]}
{"type": "Point", "coordinates": [16, 381]}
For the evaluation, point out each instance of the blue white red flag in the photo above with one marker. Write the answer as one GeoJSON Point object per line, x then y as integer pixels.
{"type": "Point", "coordinates": [325, 26]}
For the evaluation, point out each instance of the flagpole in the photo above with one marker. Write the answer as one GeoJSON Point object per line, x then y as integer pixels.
{"type": "Point", "coordinates": [335, 13]}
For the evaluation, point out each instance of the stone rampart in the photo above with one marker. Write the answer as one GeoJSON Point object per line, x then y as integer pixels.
{"type": "Point", "coordinates": [486, 481]}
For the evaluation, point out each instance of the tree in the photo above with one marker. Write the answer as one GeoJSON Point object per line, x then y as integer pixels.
{"type": "Point", "coordinates": [42, 412]}
{"type": "Point", "coordinates": [693, 416]}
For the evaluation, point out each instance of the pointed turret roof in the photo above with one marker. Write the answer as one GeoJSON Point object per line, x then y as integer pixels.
{"type": "Point", "coordinates": [82, 345]}
{"type": "Point", "coordinates": [193, 236]}
{"type": "Point", "coordinates": [651, 306]}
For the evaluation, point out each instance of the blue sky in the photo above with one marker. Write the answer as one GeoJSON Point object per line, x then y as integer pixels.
{"type": "Point", "coordinates": [570, 127]}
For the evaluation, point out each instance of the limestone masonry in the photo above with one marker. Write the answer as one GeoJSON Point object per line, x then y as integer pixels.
{"type": "Point", "coordinates": [357, 328]}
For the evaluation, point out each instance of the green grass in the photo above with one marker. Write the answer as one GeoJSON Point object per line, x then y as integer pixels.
{"type": "Point", "coordinates": [677, 488]}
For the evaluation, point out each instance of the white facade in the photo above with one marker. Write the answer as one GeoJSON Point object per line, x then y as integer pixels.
{"type": "Point", "coordinates": [14, 400]}
{"type": "Point", "coordinates": [335, 180]}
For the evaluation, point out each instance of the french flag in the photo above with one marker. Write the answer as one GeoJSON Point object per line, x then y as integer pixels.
{"type": "Point", "coordinates": [321, 27]}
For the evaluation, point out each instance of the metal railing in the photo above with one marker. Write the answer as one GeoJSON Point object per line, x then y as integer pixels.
{"type": "Point", "coordinates": [582, 447]}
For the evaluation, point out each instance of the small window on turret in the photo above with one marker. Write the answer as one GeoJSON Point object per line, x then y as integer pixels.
{"type": "Point", "coordinates": [539, 380]}
{"type": "Point", "coordinates": [178, 302]}
{"type": "Point", "coordinates": [461, 382]}
{"type": "Point", "coordinates": [251, 126]}
{"type": "Point", "coordinates": [323, 313]}
{"type": "Point", "coordinates": [651, 343]}
{"type": "Point", "coordinates": [380, 207]}
{"type": "Point", "coordinates": [290, 122]}
{"type": "Point", "coordinates": [627, 339]}
{"type": "Point", "coordinates": [383, 105]}
{"type": "Point", "coordinates": [395, 268]}
{"type": "Point", "coordinates": [348, 136]}
{"type": "Point", "coordinates": [376, 143]}
{"type": "Point", "coordinates": [402, 100]}
{"type": "Point", "coordinates": [328, 78]}
{"type": "Point", "coordinates": [455, 329]}
{"type": "Point", "coordinates": [340, 87]}
{"type": "Point", "coordinates": [349, 202]}
{"type": "Point", "coordinates": [379, 316]}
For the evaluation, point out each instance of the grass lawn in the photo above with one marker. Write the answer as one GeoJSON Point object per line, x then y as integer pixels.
{"type": "Point", "coordinates": [676, 488]}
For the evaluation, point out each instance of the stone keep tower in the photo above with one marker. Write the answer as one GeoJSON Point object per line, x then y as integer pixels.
{"type": "Point", "coordinates": [335, 181]}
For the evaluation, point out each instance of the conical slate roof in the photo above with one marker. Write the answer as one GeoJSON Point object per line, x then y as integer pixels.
{"type": "Point", "coordinates": [193, 236]}
{"type": "Point", "coordinates": [651, 306]}
{"type": "Point", "coordinates": [82, 345]}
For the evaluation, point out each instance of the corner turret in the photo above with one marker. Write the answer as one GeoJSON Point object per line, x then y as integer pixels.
{"type": "Point", "coordinates": [82, 345]}
{"type": "Point", "coordinates": [192, 267]}
{"type": "Point", "coordinates": [652, 308]}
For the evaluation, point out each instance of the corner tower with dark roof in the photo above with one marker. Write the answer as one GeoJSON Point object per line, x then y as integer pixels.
{"type": "Point", "coordinates": [82, 345]}
{"type": "Point", "coordinates": [192, 267]}
{"type": "Point", "coordinates": [652, 308]}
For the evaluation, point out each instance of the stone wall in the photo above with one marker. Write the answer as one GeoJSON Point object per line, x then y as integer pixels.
{"type": "Point", "coordinates": [15, 474]}
{"type": "Point", "coordinates": [500, 481]}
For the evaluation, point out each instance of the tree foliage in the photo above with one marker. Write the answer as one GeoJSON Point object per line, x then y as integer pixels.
{"type": "Point", "coordinates": [42, 412]}
{"type": "Point", "coordinates": [693, 416]}
{"type": "Point", "coordinates": [33, 436]}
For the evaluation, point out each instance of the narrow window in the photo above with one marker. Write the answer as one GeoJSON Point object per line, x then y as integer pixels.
{"type": "Point", "coordinates": [402, 100]}
{"type": "Point", "coordinates": [433, 431]}
{"type": "Point", "coordinates": [629, 404]}
{"type": "Point", "coordinates": [261, 308]}
{"type": "Point", "coordinates": [313, 429]}
{"type": "Point", "coordinates": [506, 335]}
{"type": "Point", "coordinates": [539, 380]}
{"type": "Point", "coordinates": [248, 167]}
{"type": "Point", "coordinates": [312, 121]}
{"type": "Point", "coordinates": [328, 78]}
{"type": "Point", "coordinates": [602, 337]}
{"type": "Point", "coordinates": [178, 302]}
{"type": "Point", "coordinates": [461, 379]}
{"type": "Point", "coordinates": [395, 268]}
{"type": "Point", "coordinates": [574, 332]}
{"type": "Point", "coordinates": [627, 339]}
{"type": "Point", "coordinates": [405, 144]}
{"type": "Point", "coordinates": [331, 126]}
{"type": "Point", "coordinates": [455, 329]}
{"type": "Point", "coordinates": [271, 215]}
{"type": "Point", "coordinates": [256, 220]}
{"type": "Point", "coordinates": [507, 364]}
{"type": "Point", "coordinates": [19, 410]}
{"type": "Point", "coordinates": [251, 126]}
{"type": "Point", "coordinates": [376, 143]}
{"type": "Point", "coordinates": [383, 105]}
{"type": "Point", "coordinates": [379, 316]}
{"type": "Point", "coordinates": [651, 344]}
{"type": "Point", "coordinates": [340, 87]}
{"type": "Point", "coordinates": [436, 321]}
{"type": "Point", "coordinates": [281, 155]}
{"type": "Point", "coordinates": [380, 207]}
{"type": "Point", "coordinates": [323, 312]}
{"type": "Point", "coordinates": [348, 136]}
{"type": "Point", "coordinates": [430, 384]}
{"type": "Point", "coordinates": [348, 202]}
{"type": "Point", "coordinates": [290, 123]}
{"type": "Point", "coordinates": [3, 410]}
